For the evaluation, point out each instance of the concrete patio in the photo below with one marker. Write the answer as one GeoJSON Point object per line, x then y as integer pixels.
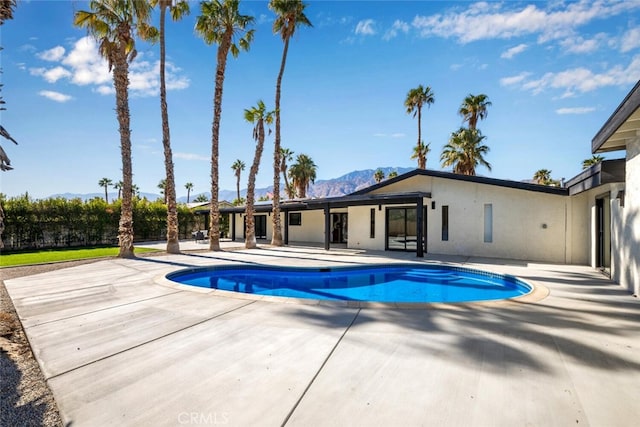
{"type": "Point", "coordinates": [120, 345]}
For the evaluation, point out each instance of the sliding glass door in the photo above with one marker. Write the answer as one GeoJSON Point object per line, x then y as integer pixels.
{"type": "Point", "coordinates": [402, 229]}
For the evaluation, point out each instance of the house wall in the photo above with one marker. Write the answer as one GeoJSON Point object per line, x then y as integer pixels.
{"type": "Point", "coordinates": [311, 230]}
{"type": "Point", "coordinates": [360, 228]}
{"type": "Point", "coordinates": [527, 225]}
{"type": "Point", "coordinates": [625, 238]}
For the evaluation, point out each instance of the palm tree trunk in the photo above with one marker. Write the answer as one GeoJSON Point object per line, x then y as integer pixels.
{"type": "Point", "coordinates": [106, 196]}
{"type": "Point", "coordinates": [420, 163]}
{"type": "Point", "coordinates": [286, 183]}
{"type": "Point", "coordinates": [238, 185]}
{"type": "Point", "coordinates": [173, 245]}
{"type": "Point", "coordinates": [250, 230]}
{"type": "Point", "coordinates": [214, 223]}
{"type": "Point", "coordinates": [276, 239]}
{"type": "Point", "coordinates": [1, 226]}
{"type": "Point", "coordinates": [121, 83]}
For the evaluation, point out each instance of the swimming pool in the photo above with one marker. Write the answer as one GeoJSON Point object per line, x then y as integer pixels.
{"type": "Point", "coordinates": [396, 283]}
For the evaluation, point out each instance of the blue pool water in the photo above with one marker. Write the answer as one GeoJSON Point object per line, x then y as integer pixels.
{"type": "Point", "coordinates": [372, 283]}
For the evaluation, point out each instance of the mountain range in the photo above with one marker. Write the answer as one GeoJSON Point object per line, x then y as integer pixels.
{"type": "Point", "coordinates": [345, 184]}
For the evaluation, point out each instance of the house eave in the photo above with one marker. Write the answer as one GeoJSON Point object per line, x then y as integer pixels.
{"type": "Point", "coordinates": [623, 124]}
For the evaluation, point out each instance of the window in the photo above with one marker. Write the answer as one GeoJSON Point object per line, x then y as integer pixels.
{"type": "Point", "coordinates": [295, 218]}
{"type": "Point", "coordinates": [445, 223]}
{"type": "Point", "coordinates": [372, 226]}
{"type": "Point", "coordinates": [488, 223]}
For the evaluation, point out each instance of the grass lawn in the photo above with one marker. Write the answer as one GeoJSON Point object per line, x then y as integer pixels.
{"type": "Point", "coordinates": [56, 255]}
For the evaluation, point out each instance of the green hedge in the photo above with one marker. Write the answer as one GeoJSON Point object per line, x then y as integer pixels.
{"type": "Point", "coordinates": [58, 222]}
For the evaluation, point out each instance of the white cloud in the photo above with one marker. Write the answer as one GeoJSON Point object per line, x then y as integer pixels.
{"type": "Point", "coordinates": [581, 79]}
{"type": "Point", "coordinates": [398, 26]}
{"type": "Point", "coordinates": [575, 110]}
{"type": "Point", "coordinates": [55, 54]}
{"type": "Point", "coordinates": [488, 21]}
{"type": "Point", "coordinates": [578, 44]}
{"type": "Point", "coordinates": [55, 96]}
{"type": "Point", "coordinates": [365, 27]}
{"type": "Point", "coordinates": [83, 66]}
{"type": "Point", "coordinates": [511, 52]}
{"type": "Point", "coordinates": [513, 80]}
{"type": "Point", "coordinates": [630, 40]}
{"type": "Point", "coordinates": [398, 135]}
{"type": "Point", "coordinates": [190, 156]}
{"type": "Point", "coordinates": [51, 75]}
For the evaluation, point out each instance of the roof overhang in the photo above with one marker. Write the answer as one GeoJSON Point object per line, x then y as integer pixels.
{"type": "Point", "coordinates": [338, 202]}
{"type": "Point", "coordinates": [623, 124]}
{"type": "Point", "coordinates": [604, 172]}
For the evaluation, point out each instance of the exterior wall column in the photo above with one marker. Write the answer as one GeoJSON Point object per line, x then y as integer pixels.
{"type": "Point", "coordinates": [327, 226]}
{"type": "Point", "coordinates": [286, 227]}
{"type": "Point", "coordinates": [419, 227]}
{"type": "Point", "coordinates": [233, 227]}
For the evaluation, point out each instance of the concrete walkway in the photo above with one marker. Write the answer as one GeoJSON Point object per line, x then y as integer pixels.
{"type": "Point", "coordinates": [120, 345]}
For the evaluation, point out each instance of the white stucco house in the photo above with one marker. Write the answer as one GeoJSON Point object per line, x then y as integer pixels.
{"type": "Point", "coordinates": [622, 132]}
{"type": "Point", "coordinates": [593, 220]}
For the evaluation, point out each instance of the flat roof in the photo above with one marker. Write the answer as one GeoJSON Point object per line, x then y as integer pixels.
{"type": "Point", "coordinates": [623, 124]}
{"type": "Point", "coordinates": [604, 172]}
{"type": "Point", "coordinates": [519, 185]}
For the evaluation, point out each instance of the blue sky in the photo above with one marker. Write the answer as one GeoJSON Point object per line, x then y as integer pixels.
{"type": "Point", "coordinates": [554, 71]}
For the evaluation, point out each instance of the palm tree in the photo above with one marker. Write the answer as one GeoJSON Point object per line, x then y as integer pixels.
{"type": "Point", "coordinates": [594, 160]}
{"type": "Point", "coordinates": [189, 187]}
{"type": "Point", "coordinates": [135, 190]}
{"type": "Point", "coordinates": [302, 172]}
{"type": "Point", "coordinates": [465, 151]}
{"type": "Point", "coordinates": [238, 167]}
{"type": "Point", "coordinates": [474, 108]}
{"type": "Point", "coordinates": [105, 182]}
{"type": "Point", "coordinates": [415, 100]}
{"type": "Point", "coordinates": [392, 174]}
{"type": "Point", "coordinates": [201, 198]}
{"type": "Point", "coordinates": [257, 115]}
{"type": "Point", "coordinates": [420, 152]}
{"type": "Point", "coordinates": [221, 23]}
{"type": "Point", "coordinates": [118, 186]}
{"type": "Point", "coordinates": [378, 175]}
{"type": "Point", "coordinates": [114, 24]}
{"type": "Point", "coordinates": [162, 185]}
{"type": "Point", "coordinates": [289, 16]}
{"type": "Point", "coordinates": [177, 9]}
{"type": "Point", "coordinates": [286, 156]}
{"type": "Point", "coordinates": [542, 177]}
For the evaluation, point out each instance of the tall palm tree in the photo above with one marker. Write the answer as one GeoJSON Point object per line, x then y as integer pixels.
{"type": "Point", "coordinates": [221, 23]}
{"type": "Point", "coordinates": [162, 185]}
{"type": "Point", "coordinates": [114, 24]}
{"type": "Point", "coordinates": [465, 151]}
{"type": "Point", "coordinates": [189, 187]}
{"type": "Point", "coordinates": [594, 160]}
{"type": "Point", "coordinates": [289, 16]}
{"type": "Point", "coordinates": [177, 9]}
{"type": "Point", "coordinates": [474, 108]}
{"type": "Point", "coordinates": [105, 182]}
{"type": "Point", "coordinates": [118, 186]}
{"type": "Point", "coordinates": [415, 100]}
{"type": "Point", "coordinates": [378, 175]}
{"type": "Point", "coordinates": [257, 115]}
{"type": "Point", "coordinates": [302, 172]}
{"type": "Point", "coordinates": [238, 166]}
{"type": "Point", "coordinates": [420, 152]}
{"type": "Point", "coordinates": [286, 156]}
{"type": "Point", "coordinates": [542, 177]}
